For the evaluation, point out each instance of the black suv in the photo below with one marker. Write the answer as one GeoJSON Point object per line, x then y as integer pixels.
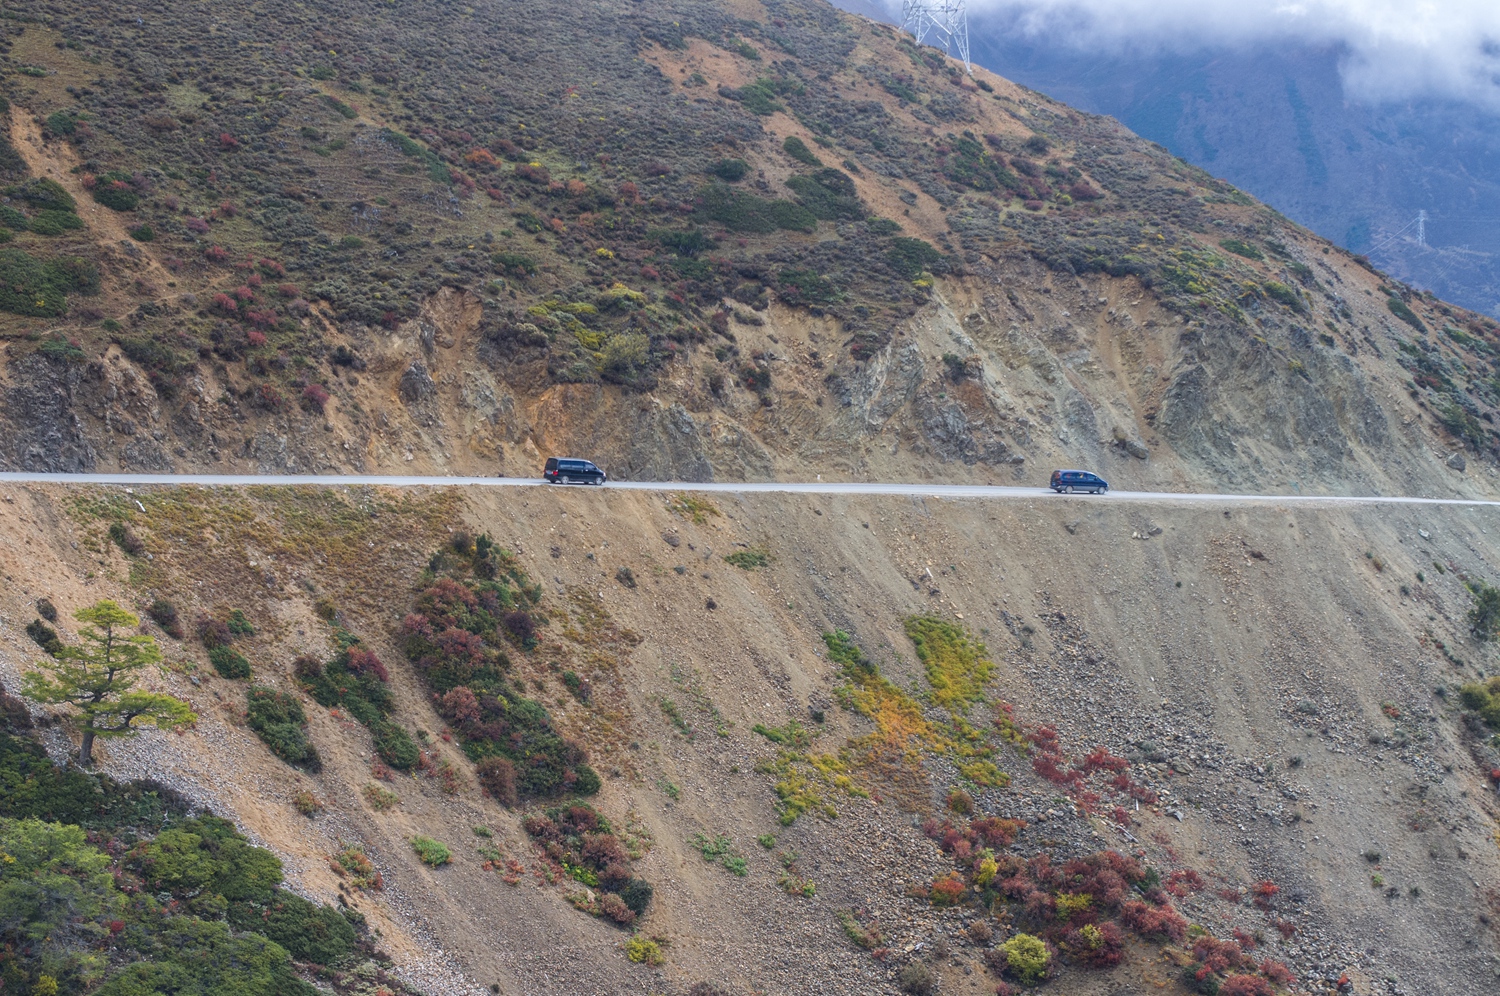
{"type": "Point", "coordinates": [566, 470]}
{"type": "Point", "coordinates": [1069, 481]}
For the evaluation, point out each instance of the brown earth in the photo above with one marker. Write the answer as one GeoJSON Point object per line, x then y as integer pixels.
{"type": "Point", "coordinates": [1269, 680]}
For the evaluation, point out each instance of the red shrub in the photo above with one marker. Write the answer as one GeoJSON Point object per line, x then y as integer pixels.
{"type": "Point", "coordinates": [460, 645]}
{"type": "Point", "coordinates": [1277, 972]}
{"type": "Point", "coordinates": [533, 174]}
{"type": "Point", "coordinates": [1263, 893]}
{"type": "Point", "coordinates": [1285, 928]}
{"type": "Point", "coordinates": [1102, 760]}
{"type": "Point", "coordinates": [228, 141]}
{"type": "Point", "coordinates": [216, 254]}
{"type": "Point", "coordinates": [520, 625]}
{"type": "Point", "coordinates": [213, 631]}
{"type": "Point", "coordinates": [196, 225]}
{"type": "Point", "coordinates": [629, 192]}
{"type": "Point", "coordinates": [1154, 922]}
{"type": "Point", "coordinates": [614, 907]}
{"type": "Point", "coordinates": [946, 891]}
{"type": "Point", "coordinates": [996, 832]}
{"type": "Point", "coordinates": [255, 338]}
{"type": "Point", "coordinates": [1084, 191]}
{"type": "Point", "coordinates": [1183, 881]}
{"type": "Point", "coordinates": [1244, 940]}
{"type": "Point", "coordinates": [269, 397]}
{"type": "Point", "coordinates": [227, 209]}
{"type": "Point", "coordinates": [287, 290]}
{"type": "Point", "coordinates": [315, 397]}
{"type": "Point", "coordinates": [1246, 985]}
{"type": "Point", "coordinates": [362, 661]}
{"type": "Point", "coordinates": [498, 777]}
{"type": "Point", "coordinates": [1217, 955]}
{"type": "Point", "coordinates": [461, 707]}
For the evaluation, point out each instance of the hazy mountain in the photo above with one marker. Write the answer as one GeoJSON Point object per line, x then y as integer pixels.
{"type": "Point", "coordinates": [1278, 122]}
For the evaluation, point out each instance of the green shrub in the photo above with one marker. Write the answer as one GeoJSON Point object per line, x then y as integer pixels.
{"type": "Point", "coordinates": [11, 218]}
{"type": "Point", "coordinates": [432, 852]}
{"type": "Point", "coordinates": [114, 191]}
{"type": "Point", "coordinates": [143, 233]}
{"type": "Point", "coordinates": [239, 623]}
{"type": "Point", "coordinates": [62, 123]}
{"type": "Point", "coordinates": [55, 222]}
{"type": "Point", "coordinates": [206, 856]}
{"type": "Point", "coordinates": [731, 170]}
{"type": "Point", "coordinates": [277, 718]}
{"type": "Point", "coordinates": [394, 745]}
{"type": "Point", "coordinates": [911, 257]}
{"type": "Point", "coordinates": [1484, 699]}
{"type": "Point", "coordinates": [917, 979]}
{"type": "Point", "coordinates": [798, 150]}
{"type": "Point", "coordinates": [29, 286]}
{"type": "Point", "coordinates": [805, 287]}
{"type": "Point", "coordinates": [1484, 617]}
{"type": "Point", "coordinates": [515, 264]}
{"type": "Point", "coordinates": [44, 195]}
{"type": "Point", "coordinates": [644, 951]}
{"type": "Point", "coordinates": [748, 560]}
{"type": "Point", "coordinates": [309, 932]}
{"type": "Point", "coordinates": [1026, 956]}
{"type": "Point", "coordinates": [742, 212]}
{"type": "Point", "coordinates": [1400, 310]}
{"type": "Point", "coordinates": [44, 636]}
{"type": "Point", "coordinates": [829, 194]}
{"type": "Point", "coordinates": [1244, 249]}
{"type": "Point", "coordinates": [230, 663]}
{"type": "Point", "coordinates": [1282, 294]}
{"type": "Point", "coordinates": [689, 243]}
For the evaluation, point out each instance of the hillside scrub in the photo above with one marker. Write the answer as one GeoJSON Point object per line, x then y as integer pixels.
{"type": "Point", "coordinates": [476, 600]}
{"type": "Point", "coordinates": [584, 846]}
{"type": "Point", "coordinates": [109, 887]}
{"type": "Point", "coordinates": [277, 718]}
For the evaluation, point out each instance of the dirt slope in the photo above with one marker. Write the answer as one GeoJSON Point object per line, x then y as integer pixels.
{"type": "Point", "coordinates": [1285, 693]}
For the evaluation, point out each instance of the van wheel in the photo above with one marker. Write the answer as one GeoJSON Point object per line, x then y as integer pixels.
{"type": "Point", "coordinates": [1070, 489]}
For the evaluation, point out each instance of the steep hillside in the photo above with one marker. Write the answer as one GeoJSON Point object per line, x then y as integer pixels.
{"type": "Point", "coordinates": [1256, 709]}
{"type": "Point", "coordinates": [691, 240]}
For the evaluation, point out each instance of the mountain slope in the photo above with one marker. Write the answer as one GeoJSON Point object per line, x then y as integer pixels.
{"type": "Point", "coordinates": [727, 243]}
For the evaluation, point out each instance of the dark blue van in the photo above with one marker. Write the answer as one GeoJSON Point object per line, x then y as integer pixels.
{"type": "Point", "coordinates": [566, 470]}
{"type": "Point", "coordinates": [1069, 481]}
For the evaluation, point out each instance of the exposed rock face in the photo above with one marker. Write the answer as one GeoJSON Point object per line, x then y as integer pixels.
{"type": "Point", "coordinates": [43, 432]}
{"type": "Point", "coordinates": [416, 384]}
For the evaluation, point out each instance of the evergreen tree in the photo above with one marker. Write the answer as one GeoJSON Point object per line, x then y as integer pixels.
{"type": "Point", "coordinates": [98, 676]}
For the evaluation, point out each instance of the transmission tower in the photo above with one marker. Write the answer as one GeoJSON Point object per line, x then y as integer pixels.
{"type": "Point", "coordinates": [946, 21]}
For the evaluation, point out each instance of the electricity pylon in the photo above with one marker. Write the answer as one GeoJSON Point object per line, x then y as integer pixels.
{"type": "Point", "coordinates": [947, 21]}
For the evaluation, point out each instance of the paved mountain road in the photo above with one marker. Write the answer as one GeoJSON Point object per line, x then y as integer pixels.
{"type": "Point", "coordinates": [733, 487]}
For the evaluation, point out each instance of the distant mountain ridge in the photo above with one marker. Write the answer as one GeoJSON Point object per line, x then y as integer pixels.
{"type": "Point", "coordinates": [1276, 122]}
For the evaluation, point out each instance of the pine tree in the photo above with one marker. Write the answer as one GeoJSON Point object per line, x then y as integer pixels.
{"type": "Point", "coordinates": [98, 675]}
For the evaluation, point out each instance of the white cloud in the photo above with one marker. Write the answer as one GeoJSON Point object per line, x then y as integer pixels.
{"type": "Point", "coordinates": [1393, 49]}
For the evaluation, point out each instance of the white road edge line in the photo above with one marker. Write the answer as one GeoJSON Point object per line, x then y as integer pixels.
{"type": "Point", "coordinates": [735, 487]}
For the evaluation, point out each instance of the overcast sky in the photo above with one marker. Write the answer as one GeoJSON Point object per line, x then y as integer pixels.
{"type": "Point", "coordinates": [1393, 49]}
